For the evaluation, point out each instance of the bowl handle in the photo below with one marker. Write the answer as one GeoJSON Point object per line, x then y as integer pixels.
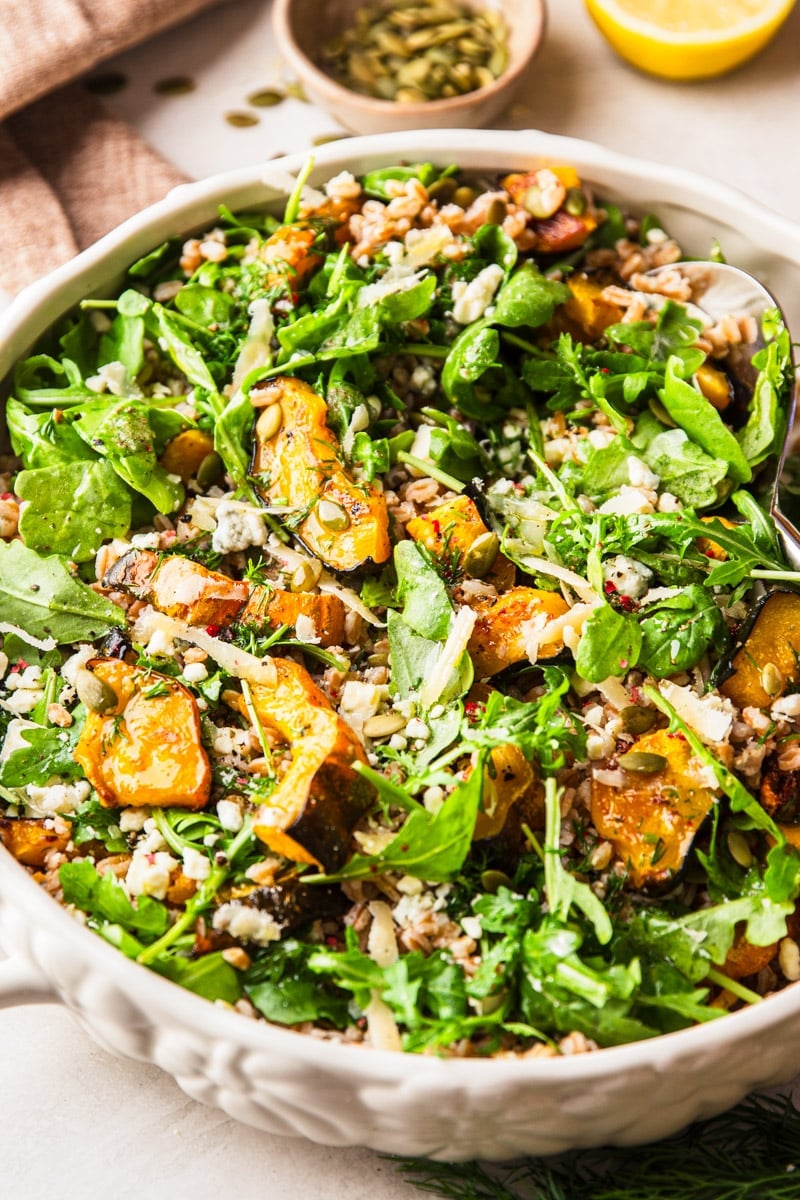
{"type": "Point", "coordinates": [21, 983]}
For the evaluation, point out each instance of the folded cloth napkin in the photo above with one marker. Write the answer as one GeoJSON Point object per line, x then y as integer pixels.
{"type": "Point", "coordinates": [69, 171]}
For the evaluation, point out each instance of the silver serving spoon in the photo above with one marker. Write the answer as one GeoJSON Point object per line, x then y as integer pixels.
{"type": "Point", "coordinates": [718, 291]}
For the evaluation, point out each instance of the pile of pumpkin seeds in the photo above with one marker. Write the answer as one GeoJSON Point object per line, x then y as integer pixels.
{"type": "Point", "coordinates": [413, 52]}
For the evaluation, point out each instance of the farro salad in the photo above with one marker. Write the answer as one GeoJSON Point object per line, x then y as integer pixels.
{"type": "Point", "coordinates": [385, 644]}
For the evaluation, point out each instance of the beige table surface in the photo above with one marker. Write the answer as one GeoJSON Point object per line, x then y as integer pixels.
{"type": "Point", "coordinates": [76, 1123]}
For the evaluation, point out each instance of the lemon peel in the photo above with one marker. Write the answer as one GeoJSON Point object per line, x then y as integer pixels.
{"type": "Point", "coordinates": [688, 39]}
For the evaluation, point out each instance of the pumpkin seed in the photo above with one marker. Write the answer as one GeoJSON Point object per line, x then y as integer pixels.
{"type": "Point", "coordinates": [268, 98]}
{"type": "Point", "coordinates": [739, 848]}
{"type": "Point", "coordinates": [443, 190]}
{"type": "Point", "coordinates": [496, 212]}
{"type": "Point", "coordinates": [379, 659]}
{"type": "Point", "coordinates": [210, 470]}
{"type": "Point", "coordinates": [269, 423]}
{"type": "Point", "coordinates": [772, 679]}
{"type": "Point", "coordinates": [372, 55]}
{"type": "Point", "coordinates": [575, 203]}
{"type": "Point", "coordinates": [642, 763]}
{"type": "Point", "coordinates": [176, 85]}
{"type": "Point", "coordinates": [384, 725]}
{"type": "Point", "coordinates": [241, 120]}
{"type": "Point", "coordinates": [305, 576]}
{"type": "Point", "coordinates": [492, 881]}
{"type": "Point", "coordinates": [97, 695]}
{"type": "Point", "coordinates": [332, 516]}
{"type": "Point", "coordinates": [636, 719]}
{"type": "Point", "coordinates": [463, 197]}
{"type": "Point", "coordinates": [296, 91]}
{"type": "Point", "coordinates": [479, 559]}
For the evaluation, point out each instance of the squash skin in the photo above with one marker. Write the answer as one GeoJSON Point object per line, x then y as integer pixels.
{"type": "Point", "coordinates": [772, 635]}
{"type": "Point", "coordinates": [652, 820]}
{"type": "Point", "coordinates": [497, 639]}
{"type": "Point", "coordinates": [146, 750]}
{"type": "Point", "coordinates": [301, 466]}
{"type": "Point", "coordinates": [30, 841]}
{"type": "Point", "coordinates": [194, 594]}
{"type": "Point", "coordinates": [310, 815]}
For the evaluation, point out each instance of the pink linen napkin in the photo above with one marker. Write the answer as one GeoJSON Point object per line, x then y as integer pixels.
{"type": "Point", "coordinates": [69, 171]}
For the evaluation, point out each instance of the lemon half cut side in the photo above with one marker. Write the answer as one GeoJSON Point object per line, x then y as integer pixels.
{"type": "Point", "coordinates": [688, 39]}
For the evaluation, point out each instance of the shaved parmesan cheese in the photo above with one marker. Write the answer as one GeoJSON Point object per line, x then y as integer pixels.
{"type": "Point", "coordinates": [542, 566]}
{"type": "Point", "coordinates": [452, 650]}
{"type": "Point", "coordinates": [349, 598]}
{"type": "Point", "coordinates": [231, 658]}
{"type": "Point", "coordinates": [710, 717]}
{"type": "Point", "coordinates": [381, 942]}
{"type": "Point", "coordinates": [381, 1025]}
{"type": "Point", "coordinates": [615, 693]}
{"type": "Point", "coordinates": [39, 643]}
{"type": "Point", "coordinates": [256, 349]}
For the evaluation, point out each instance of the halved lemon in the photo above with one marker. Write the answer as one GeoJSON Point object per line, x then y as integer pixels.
{"type": "Point", "coordinates": [688, 39]}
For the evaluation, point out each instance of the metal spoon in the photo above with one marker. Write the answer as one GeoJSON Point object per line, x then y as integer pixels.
{"type": "Point", "coordinates": [718, 291]}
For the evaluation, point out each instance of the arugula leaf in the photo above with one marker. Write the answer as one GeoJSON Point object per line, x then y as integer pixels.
{"type": "Point", "coordinates": [528, 298]}
{"type": "Point", "coordinates": [104, 897]}
{"type": "Point", "coordinates": [93, 822]}
{"type": "Point", "coordinates": [49, 752]}
{"type": "Point", "coordinates": [205, 305]}
{"type": "Point", "coordinates": [413, 656]}
{"type": "Point", "coordinates": [430, 846]}
{"type": "Point", "coordinates": [610, 644]}
{"type": "Point", "coordinates": [562, 889]}
{"type": "Point", "coordinates": [124, 434]}
{"type": "Point", "coordinates": [677, 631]}
{"type": "Point", "coordinates": [684, 468]}
{"type": "Point", "coordinates": [374, 182]}
{"type": "Point", "coordinates": [209, 975]}
{"type": "Point", "coordinates": [72, 508]}
{"type": "Point", "coordinates": [689, 409]}
{"type": "Point", "coordinates": [40, 441]}
{"type": "Point", "coordinates": [41, 596]}
{"type": "Point", "coordinates": [286, 990]}
{"type": "Point", "coordinates": [426, 604]}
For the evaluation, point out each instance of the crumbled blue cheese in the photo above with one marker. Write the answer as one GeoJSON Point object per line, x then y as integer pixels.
{"type": "Point", "coordinates": [629, 576]}
{"type": "Point", "coordinates": [246, 923]}
{"type": "Point", "coordinates": [195, 865]}
{"type": "Point", "coordinates": [113, 377]}
{"type": "Point", "coordinates": [231, 816]}
{"type": "Point", "coordinates": [470, 300]}
{"type": "Point", "coordinates": [149, 873]}
{"type": "Point", "coordinates": [640, 475]}
{"type": "Point", "coordinates": [238, 527]}
{"type": "Point", "coordinates": [630, 500]}
{"type": "Point", "coordinates": [56, 798]}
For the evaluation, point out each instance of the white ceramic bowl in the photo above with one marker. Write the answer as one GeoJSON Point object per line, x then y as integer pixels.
{"type": "Point", "coordinates": [288, 1083]}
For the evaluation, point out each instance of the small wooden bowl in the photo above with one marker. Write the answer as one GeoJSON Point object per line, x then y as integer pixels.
{"type": "Point", "coordinates": [302, 28]}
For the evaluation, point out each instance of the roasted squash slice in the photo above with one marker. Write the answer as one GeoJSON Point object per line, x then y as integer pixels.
{"type": "Point", "coordinates": [192, 593]}
{"type": "Point", "coordinates": [146, 748]}
{"type": "Point", "coordinates": [31, 839]}
{"type": "Point", "coordinates": [498, 638]}
{"type": "Point", "coordinates": [184, 453]}
{"type": "Point", "coordinates": [779, 792]}
{"type": "Point", "coordinates": [450, 529]}
{"type": "Point", "coordinates": [509, 782]}
{"type": "Point", "coordinates": [587, 308]}
{"type": "Point", "coordinates": [346, 524]}
{"type": "Point", "coordinates": [309, 816]}
{"type": "Point", "coordinates": [651, 817]}
{"type": "Point", "coordinates": [765, 661]}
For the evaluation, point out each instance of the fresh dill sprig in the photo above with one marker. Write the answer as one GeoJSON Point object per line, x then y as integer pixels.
{"type": "Point", "coordinates": [749, 1153]}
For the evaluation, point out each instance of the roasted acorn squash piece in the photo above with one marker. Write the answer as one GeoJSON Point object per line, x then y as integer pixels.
{"type": "Point", "coordinates": [498, 637]}
{"type": "Point", "coordinates": [309, 816]}
{"type": "Point", "coordinates": [509, 780]}
{"type": "Point", "coordinates": [30, 840]}
{"type": "Point", "coordinates": [144, 749]}
{"type": "Point", "coordinates": [766, 658]}
{"type": "Point", "coordinates": [192, 593]}
{"type": "Point", "coordinates": [344, 523]}
{"type": "Point", "coordinates": [184, 453]}
{"type": "Point", "coordinates": [779, 792]}
{"type": "Point", "coordinates": [290, 252]}
{"type": "Point", "coordinates": [652, 817]}
{"type": "Point", "coordinates": [587, 308]}
{"type": "Point", "coordinates": [450, 529]}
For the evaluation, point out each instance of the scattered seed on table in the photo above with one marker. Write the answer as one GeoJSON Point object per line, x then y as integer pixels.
{"type": "Point", "coordinates": [240, 120]}
{"type": "Point", "coordinates": [267, 98]}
